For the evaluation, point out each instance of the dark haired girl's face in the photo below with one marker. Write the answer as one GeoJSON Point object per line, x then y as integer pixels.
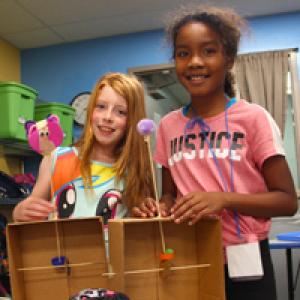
{"type": "Point", "coordinates": [201, 64]}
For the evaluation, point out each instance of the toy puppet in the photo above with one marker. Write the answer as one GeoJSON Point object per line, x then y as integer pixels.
{"type": "Point", "coordinates": [45, 135]}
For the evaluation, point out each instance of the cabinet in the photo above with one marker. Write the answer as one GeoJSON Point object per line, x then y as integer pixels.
{"type": "Point", "coordinates": [19, 151]}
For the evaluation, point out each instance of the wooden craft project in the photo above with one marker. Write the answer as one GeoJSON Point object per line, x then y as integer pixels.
{"type": "Point", "coordinates": [32, 246]}
{"type": "Point", "coordinates": [196, 271]}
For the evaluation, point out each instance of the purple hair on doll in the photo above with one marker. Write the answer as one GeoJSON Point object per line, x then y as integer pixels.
{"type": "Point", "coordinates": [146, 126]}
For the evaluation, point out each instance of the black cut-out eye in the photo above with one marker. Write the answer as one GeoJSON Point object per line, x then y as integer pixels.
{"type": "Point", "coordinates": [107, 203]}
{"type": "Point", "coordinates": [66, 201]}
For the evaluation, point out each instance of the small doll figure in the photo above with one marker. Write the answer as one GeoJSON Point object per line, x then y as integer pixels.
{"type": "Point", "coordinates": [107, 206]}
{"type": "Point", "coordinates": [99, 294]}
{"type": "Point", "coordinates": [45, 135]}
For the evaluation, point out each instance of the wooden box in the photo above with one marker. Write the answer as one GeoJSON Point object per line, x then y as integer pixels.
{"type": "Point", "coordinates": [134, 267]}
{"type": "Point", "coordinates": [31, 246]}
{"type": "Point", "coordinates": [198, 269]}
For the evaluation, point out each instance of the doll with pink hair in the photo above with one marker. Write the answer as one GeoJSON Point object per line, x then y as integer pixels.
{"type": "Point", "coordinates": [45, 135]}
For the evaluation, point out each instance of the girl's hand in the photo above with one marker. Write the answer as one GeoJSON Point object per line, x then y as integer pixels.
{"type": "Point", "coordinates": [165, 204]}
{"type": "Point", "coordinates": [32, 209]}
{"type": "Point", "coordinates": [193, 206]}
{"type": "Point", "coordinates": [148, 208]}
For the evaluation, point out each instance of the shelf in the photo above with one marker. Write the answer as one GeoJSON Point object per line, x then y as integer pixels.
{"type": "Point", "coordinates": [13, 147]}
{"type": "Point", "coordinates": [10, 201]}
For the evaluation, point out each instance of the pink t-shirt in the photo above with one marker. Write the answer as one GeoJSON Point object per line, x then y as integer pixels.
{"type": "Point", "coordinates": [254, 138]}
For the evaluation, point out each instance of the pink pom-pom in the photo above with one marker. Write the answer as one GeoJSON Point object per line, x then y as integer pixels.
{"type": "Point", "coordinates": [146, 126]}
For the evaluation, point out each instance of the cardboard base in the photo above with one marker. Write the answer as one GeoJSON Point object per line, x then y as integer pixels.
{"type": "Point", "coordinates": [135, 245]}
{"type": "Point", "coordinates": [31, 246]}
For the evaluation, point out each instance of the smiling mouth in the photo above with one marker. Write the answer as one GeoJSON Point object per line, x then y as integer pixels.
{"type": "Point", "coordinates": [197, 78]}
{"type": "Point", "coordinates": [106, 129]}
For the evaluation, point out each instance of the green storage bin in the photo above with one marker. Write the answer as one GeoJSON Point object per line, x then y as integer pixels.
{"type": "Point", "coordinates": [16, 107]}
{"type": "Point", "coordinates": [63, 111]}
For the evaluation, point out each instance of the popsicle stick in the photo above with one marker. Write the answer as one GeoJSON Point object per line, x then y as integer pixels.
{"type": "Point", "coordinates": [147, 140]}
{"type": "Point", "coordinates": [84, 264]}
{"type": "Point", "coordinates": [163, 242]}
{"type": "Point", "coordinates": [57, 240]}
{"type": "Point", "coordinates": [156, 270]}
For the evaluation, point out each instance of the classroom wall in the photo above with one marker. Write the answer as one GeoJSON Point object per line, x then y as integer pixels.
{"type": "Point", "coordinates": [60, 72]}
{"type": "Point", "coordinates": [10, 62]}
{"type": "Point", "coordinates": [10, 70]}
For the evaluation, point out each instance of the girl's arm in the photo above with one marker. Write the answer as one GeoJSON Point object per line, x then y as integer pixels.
{"type": "Point", "coordinates": [280, 200]}
{"type": "Point", "coordinates": [37, 205]}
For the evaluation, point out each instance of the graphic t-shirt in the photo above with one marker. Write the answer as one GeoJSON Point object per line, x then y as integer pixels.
{"type": "Point", "coordinates": [69, 196]}
{"type": "Point", "coordinates": [253, 138]}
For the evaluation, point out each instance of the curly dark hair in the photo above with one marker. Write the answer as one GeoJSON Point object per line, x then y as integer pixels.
{"type": "Point", "coordinates": [223, 21]}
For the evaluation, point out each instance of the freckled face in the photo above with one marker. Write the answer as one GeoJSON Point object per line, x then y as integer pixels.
{"type": "Point", "coordinates": [109, 118]}
{"type": "Point", "coordinates": [200, 60]}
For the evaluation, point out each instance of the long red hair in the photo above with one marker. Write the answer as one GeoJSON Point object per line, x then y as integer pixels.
{"type": "Point", "coordinates": [132, 165]}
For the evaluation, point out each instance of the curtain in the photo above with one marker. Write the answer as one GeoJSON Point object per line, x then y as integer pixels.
{"type": "Point", "coordinates": [262, 79]}
{"type": "Point", "coordinates": [296, 104]}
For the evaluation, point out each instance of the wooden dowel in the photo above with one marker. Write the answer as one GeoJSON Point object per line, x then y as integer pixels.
{"type": "Point", "coordinates": [135, 272]}
{"type": "Point", "coordinates": [57, 239]}
{"type": "Point", "coordinates": [187, 267]}
{"type": "Point", "coordinates": [147, 140]}
{"type": "Point", "coordinates": [190, 267]}
{"type": "Point", "coordinates": [162, 235]}
{"type": "Point", "coordinates": [112, 273]}
{"type": "Point", "coordinates": [163, 243]}
{"type": "Point", "coordinates": [53, 215]}
{"type": "Point", "coordinates": [61, 266]}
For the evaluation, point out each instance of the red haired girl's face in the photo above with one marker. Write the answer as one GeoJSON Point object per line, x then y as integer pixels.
{"type": "Point", "coordinates": [109, 119]}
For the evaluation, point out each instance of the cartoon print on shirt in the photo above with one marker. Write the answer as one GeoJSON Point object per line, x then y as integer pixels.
{"type": "Point", "coordinates": [107, 206]}
{"type": "Point", "coordinates": [74, 200]}
{"type": "Point", "coordinates": [66, 201]}
{"type": "Point", "coordinates": [194, 146]}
